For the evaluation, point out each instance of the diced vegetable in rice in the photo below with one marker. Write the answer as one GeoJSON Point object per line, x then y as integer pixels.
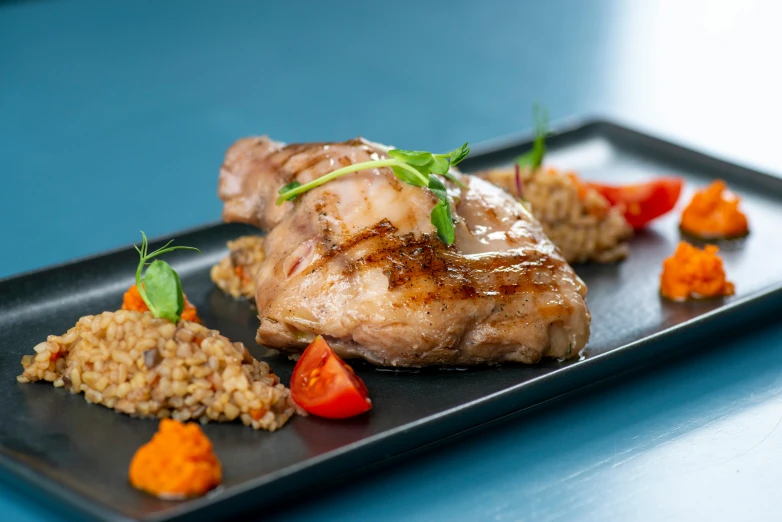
{"type": "Point", "coordinates": [235, 274]}
{"type": "Point", "coordinates": [143, 366]}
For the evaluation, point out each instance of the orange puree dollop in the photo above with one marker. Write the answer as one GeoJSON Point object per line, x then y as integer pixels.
{"type": "Point", "coordinates": [177, 463]}
{"type": "Point", "coordinates": [714, 213]}
{"type": "Point", "coordinates": [694, 273]}
{"type": "Point", "coordinates": [132, 301]}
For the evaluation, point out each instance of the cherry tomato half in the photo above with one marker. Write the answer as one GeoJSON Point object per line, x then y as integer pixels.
{"type": "Point", "coordinates": [643, 202]}
{"type": "Point", "coordinates": [325, 386]}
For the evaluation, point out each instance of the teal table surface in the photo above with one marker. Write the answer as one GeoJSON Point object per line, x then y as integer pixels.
{"type": "Point", "coordinates": [114, 117]}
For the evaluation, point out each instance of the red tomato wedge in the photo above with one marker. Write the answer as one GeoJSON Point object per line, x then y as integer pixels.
{"type": "Point", "coordinates": [325, 386]}
{"type": "Point", "coordinates": [643, 202]}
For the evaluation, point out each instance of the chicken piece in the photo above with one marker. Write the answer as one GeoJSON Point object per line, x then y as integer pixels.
{"type": "Point", "coordinates": [359, 261]}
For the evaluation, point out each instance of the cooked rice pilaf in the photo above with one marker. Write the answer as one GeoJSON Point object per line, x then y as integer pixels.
{"type": "Point", "coordinates": [147, 367]}
{"type": "Point", "coordinates": [575, 217]}
{"type": "Point", "coordinates": [235, 274]}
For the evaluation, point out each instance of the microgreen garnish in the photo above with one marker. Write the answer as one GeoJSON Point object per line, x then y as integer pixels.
{"type": "Point", "coordinates": [160, 288]}
{"type": "Point", "coordinates": [411, 166]}
{"type": "Point", "coordinates": [290, 186]}
{"type": "Point", "coordinates": [534, 158]}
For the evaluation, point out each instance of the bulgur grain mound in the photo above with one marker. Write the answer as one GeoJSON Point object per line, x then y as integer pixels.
{"type": "Point", "coordinates": [147, 367]}
{"type": "Point", "coordinates": [235, 274]}
{"type": "Point", "coordinates": [574, 216]}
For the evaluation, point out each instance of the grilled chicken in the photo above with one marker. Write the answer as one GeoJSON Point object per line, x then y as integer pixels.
{"type": "Point", "coordinates": [359, 261]}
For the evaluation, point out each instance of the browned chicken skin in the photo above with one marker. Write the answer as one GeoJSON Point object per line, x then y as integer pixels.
{"type": "Point", "coordinates": [358, 261]}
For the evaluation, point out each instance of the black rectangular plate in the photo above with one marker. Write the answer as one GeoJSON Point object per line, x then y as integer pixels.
{"type": "Point", "coordinates": [78, 454]}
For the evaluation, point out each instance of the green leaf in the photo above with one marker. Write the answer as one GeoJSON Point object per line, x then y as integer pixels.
{"type": "Point", "coordinates": [440, 165]}
{"type": "Point", "coordinates": [457, 155]}
{"type": "Point", "coordinates": [441, 213]}
{"type": "Point", "coordinates": [180, 295]}
{"type": "Point", "coordinates": [437, 186]}
{"type": "Point", "coordinates": [408, 177]}
{"type": "Point", "coordinates": [538, 153]}
{"type": "Point", "coordinates": [526, 160]}
{"type": "Point", "coordinates": [443, 222]}
{"type": "Point", "coordinates": [534, 158]}
{"type": "Point", "coordinates": [416, 158]}
{"type": "Point", "coordinates": [290, 186]}
{"type": "Point", "coordinates": [284, 196]}
{"type": "Point", "coordinates": [164, 291]}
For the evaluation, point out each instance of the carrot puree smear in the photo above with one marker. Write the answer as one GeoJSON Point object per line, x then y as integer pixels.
{"type": "Point", "coordinates": [132, 301]}
{"type": "Point", "coordinates": [694, 273]}
{"type": "Point", "coordinates": [714, 213]}
{"type": "Point", "coordinates": [178, 462]}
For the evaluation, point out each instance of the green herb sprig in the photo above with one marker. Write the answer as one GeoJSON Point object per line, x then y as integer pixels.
{"type": "Point", "coordinates": [534, 157]}
{"type": "Point", "coordinates": [160, 287]}
{"type": "Point", "coordinates": [411, 166]}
